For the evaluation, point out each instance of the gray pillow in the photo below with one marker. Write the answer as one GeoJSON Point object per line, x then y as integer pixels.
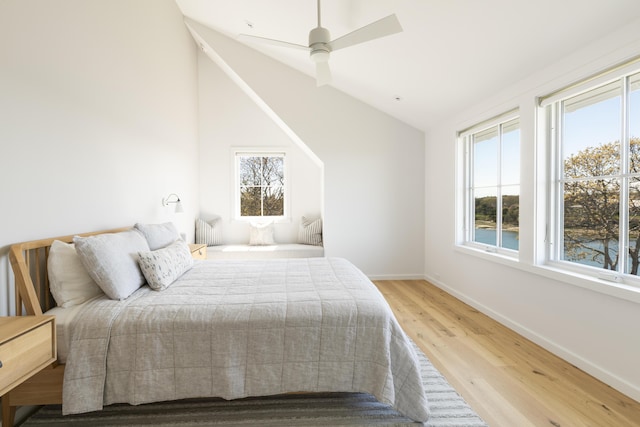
{"type": "Point", "coordinates": [158, 235]}
{"type": "Point", "coordinates": [163, 266]}
{"type": "Point", "coordinates": [111, 260]}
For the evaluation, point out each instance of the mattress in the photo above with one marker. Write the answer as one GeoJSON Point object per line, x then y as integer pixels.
{"type": "Point", "coordinates": [64, 318]}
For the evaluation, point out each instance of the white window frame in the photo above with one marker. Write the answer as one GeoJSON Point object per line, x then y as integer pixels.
{"type": "Point", "coordinates": [551, 119]}
{"type": "Point", "coordinates": [236, 154]}
{"type": "Point", "coordinates": [467, 211]}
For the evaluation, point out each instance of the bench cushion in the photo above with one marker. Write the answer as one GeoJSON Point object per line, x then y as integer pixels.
{"type": "Point", "coordinates": [281, 250]}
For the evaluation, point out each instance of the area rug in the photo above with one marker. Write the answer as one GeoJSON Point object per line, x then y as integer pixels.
{"type": "Point", "coordinates": [448, 409]}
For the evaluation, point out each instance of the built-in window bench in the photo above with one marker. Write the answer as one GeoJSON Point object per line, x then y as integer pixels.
{"type": "Point", "coordinates": [280, 250]}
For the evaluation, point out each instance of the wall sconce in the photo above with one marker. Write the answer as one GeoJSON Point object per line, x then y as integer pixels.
{"type": "Point", "coordinates": [173, 198]}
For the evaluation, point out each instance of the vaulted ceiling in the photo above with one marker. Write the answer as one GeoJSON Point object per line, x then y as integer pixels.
{"type": "Point", "coordinates": [450, 54]}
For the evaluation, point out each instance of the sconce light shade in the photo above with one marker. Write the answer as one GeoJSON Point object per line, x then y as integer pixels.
{"type": "Point", "coordinates": [173, 198]}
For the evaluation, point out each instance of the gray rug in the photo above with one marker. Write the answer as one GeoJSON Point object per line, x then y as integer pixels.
{"type": "Point", "coordinates": [448, 409]}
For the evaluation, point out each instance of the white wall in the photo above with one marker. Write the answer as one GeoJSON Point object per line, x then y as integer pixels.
{"type": "Point", "coordinates": [229, 119]}
{"type": "Point", "coordinates": [373, 163]}
{"type": "Point", "coordinates": [98, 119]}
{"type": "Point", "coordinates": [596, 331]}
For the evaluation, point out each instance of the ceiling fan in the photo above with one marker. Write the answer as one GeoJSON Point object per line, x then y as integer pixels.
{"type": "Point", "coordinates": [321, 45]}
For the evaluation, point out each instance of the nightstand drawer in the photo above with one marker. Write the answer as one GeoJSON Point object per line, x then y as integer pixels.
{"type": "Point", "coordinates": [27, 346]}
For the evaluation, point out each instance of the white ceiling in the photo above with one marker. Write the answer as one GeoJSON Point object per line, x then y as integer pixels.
{"type": "Point", "coordinates": [451, 54]}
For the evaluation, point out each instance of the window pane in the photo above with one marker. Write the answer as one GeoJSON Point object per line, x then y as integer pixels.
{"type": "Point", "coordinates": [510, 153]}
{"type": "Point", "coordinates": [485, 158]}
{"type": "Point", "coordinates": [591, 214]}
{"type": "Point", "coordinates": [634, 123]}
{"type": "Point", "coordinates": [274, 201]}
{"type": "Point", "coordinates": [591, 133]}
{"type": "Point", "coordinates": [634, 227]}
{"type": "Point", "coordinates": [485, 216]}
{"type": "Point", "coordinates": [633, 254]}
{"type": "Point", "coordinates": [250, 170]}
{"type": "Point", "coordinates": [250, 201]}
{"type": "Point", "coordinates": [273, 171]}
{"type": "Point", "coordinates": [510, 217]}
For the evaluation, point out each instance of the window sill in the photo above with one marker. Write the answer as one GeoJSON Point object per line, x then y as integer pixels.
{"type": "Point", "coordinates": [499, 257]}
{"type": "Point", "coordinates": [263, 219]}
{"type": "Point", "coordinates": [585, 281]}
{"type": "Point", "coordinates": [611, 288]}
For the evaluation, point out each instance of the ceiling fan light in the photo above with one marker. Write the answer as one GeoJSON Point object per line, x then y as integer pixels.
{"type": "Point", "coordinates": [320, 55]}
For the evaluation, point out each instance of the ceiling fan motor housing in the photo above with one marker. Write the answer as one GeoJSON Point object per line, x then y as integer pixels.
{"type": "Point", "coordinates": [319, 44]}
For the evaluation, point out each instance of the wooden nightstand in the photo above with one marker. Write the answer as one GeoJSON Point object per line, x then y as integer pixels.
{"type": "Point", "coordinates": [27, 345]}
{"type": "Point", "coordinates": [198, 250]}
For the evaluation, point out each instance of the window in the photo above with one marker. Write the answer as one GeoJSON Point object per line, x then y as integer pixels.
{"type": "Point", "coordinates": [260, 185]}
{"type": "Point", "coordinates": [595, 175]}
{"type": "Point", "coordinates": [492, 190]}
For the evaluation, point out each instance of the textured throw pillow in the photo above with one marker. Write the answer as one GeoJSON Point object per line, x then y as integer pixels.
{"type": "Point", "coordinates": [69, 282]}
{"type": "Point", "coordinates": [209, 233]}
{"type": "Point", "coordinates": [261, 234]}
{"type": "Point", "coordinates": [310, 232]}
{"type": "Point", "coordinates": [111, 259]}
{"type": "Point", "coordinates": [163, 266]}
{"type": "Point", "coordinates": [158, 235]}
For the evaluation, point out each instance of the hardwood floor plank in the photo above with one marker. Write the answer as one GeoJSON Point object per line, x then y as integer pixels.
{"type": "Point", "coordinates": [509, 380]}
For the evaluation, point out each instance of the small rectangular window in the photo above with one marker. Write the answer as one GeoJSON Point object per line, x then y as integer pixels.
{"type": "Point", "coordinates": [260, 188]}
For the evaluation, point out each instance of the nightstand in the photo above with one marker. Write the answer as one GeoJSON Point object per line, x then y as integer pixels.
{"type": "Point", "coordinates": [198, 250]}
{"type": "Point", "coordinates": [27, 345]}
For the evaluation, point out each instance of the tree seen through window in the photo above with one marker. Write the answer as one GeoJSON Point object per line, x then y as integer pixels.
{"type": "Point", "coordinates": [261, 185]}
{"type": "Point", "coordinates": [599, 177]}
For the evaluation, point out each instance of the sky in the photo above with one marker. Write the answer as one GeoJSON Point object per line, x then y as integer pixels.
{"type": "Point", "coordinates": [486, 163]}
{"type": "Point", "coordinates": [593, 121]}
{"type": "Point", "coordinates": [599, 123]}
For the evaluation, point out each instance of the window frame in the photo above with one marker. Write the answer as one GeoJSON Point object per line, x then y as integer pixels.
{"type": "Point", "coordinates": [551, 113]}
{"type": "Point", "coordinates": [237, 154]}
{"type": "Point", "coordinates": [467, 211]}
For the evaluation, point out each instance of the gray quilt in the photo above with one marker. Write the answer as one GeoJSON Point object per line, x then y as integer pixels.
{"type": "Point", "coordinates": [234, 329]}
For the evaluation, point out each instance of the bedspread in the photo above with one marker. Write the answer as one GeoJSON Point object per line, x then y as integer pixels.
{"type": "Point", "coordinates": [234, 329]}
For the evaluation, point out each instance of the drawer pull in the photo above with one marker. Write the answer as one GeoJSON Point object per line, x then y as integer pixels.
{"type": "Point", "coordinates": [0, 363]}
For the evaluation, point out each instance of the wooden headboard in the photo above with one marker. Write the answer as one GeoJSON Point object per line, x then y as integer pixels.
{"type": "Point", "coordinates": [29, 265]}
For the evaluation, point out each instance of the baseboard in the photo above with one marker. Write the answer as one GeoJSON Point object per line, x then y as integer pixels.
{"type": "Point", "coordinates": [596, 371]}
{"type": "Point", "coordinates": [396, 277]}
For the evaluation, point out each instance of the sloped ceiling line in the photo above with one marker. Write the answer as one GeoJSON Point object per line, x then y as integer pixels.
{"type": "Point", "coordinates": [198, 32]}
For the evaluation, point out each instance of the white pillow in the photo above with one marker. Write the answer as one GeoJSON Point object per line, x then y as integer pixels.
{"type": "Point", "coordinates": [112, 261]}
{"type": "Point", "coordinates": [209, 232]}
{"type": "Point", "coordinates": [69, 282]}
{"type": "Point", "coordinates": [163, 266]}
{"type": "Point", "coordinates": [261, 234]}
{"type": "Point", "coordinates": [158, 235]}
{"type": "Point", "coordinates": [310, 232]}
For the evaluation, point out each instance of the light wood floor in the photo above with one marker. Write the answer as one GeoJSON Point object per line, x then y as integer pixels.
{"type": "Point", "coordinates": [508, 380]}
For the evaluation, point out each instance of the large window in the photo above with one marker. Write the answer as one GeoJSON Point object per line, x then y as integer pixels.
{"type": "Point", "coordinates": [492, 190]}
{"type": "Point", "coordinates": [260, 185]}
{"type": "Point", "coordinates": [595, 203]}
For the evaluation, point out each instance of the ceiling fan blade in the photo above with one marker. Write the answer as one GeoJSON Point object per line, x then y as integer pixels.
{"type": "Point", "coordinates": [274, 42]}
{"type": "Point", "coordinates": [323, 73]}
{"type": "Point", "coordinates": [380, 28]}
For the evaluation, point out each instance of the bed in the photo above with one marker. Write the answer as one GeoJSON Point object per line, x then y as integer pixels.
{"type": "Point", "coordinates": [224, 328]}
